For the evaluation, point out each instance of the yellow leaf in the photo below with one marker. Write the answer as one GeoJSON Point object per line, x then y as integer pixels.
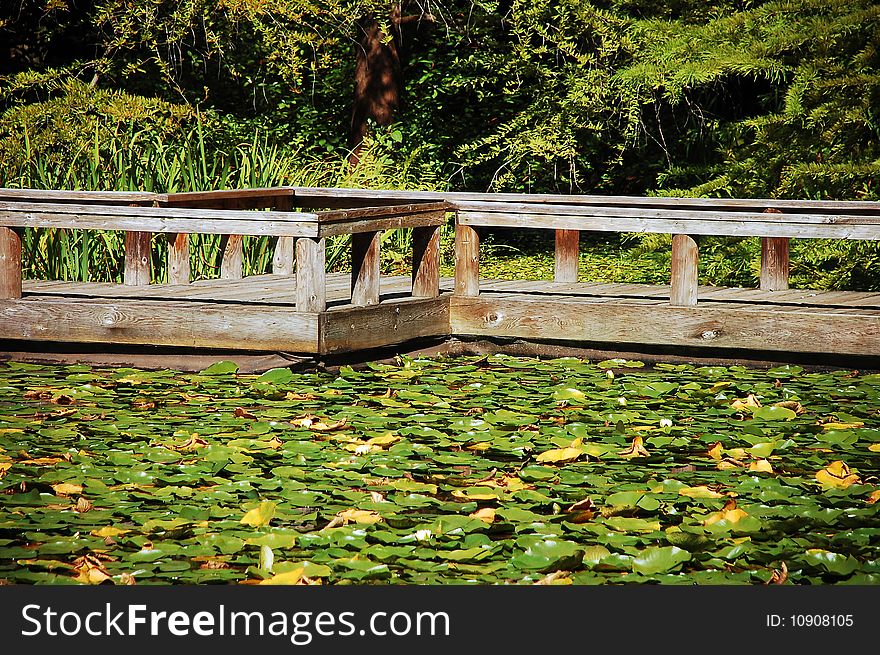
{"type": "Point", "coordinates": [486, 515]}
{"type": "Point", "coordinates": [716, 450]}
{"type": "Point", "coordinates": [843, 426]}
{"type": "Point", "coordinates": [66, 489]}
{"type": "Point", "coordinates": [761, 466]}
{"type": "Point", "coordinates": [359, 516]}
{"type": "Point", "coordinates": [729, 463]}
{"type": "Point", "coordinates": [838, 475]}
{"type": "Point", "coordinates": [387, 440]}
{"type": "Point", "coordinates": [873, 497]}
{"type": "Point", "coordinates": [699, 492]}
{"type": "Point", "coordinates": [4, 468]}
{"type": "Point", "coordinates": [748, 401]}
{"type": "Point", "coordinates": [108, 531]}
{"type": "Point", "coordinates": [793, 405]}
{"type": "Point", "coordinates": [476, 493]}
{"type": "Point", "coordinates": [874, 447]}
{"type": "Point", "coordinates": [260, 515]}
{"type": "Point", "coordinates": [641, 428]}
{"type": "Point", "coordinates": [480, 447]}
{"type": "Point", "coordinates": [560, 455]}
{"type": "Point", "coordinates": [735, 453]}
{"type": "Point", "coordinates": [275, 443]}
{"type": "Point", "coordinates": [287, 578]}
{"type": "Point", "coordinates": [731, 516]}
{"type": "Point", "coordinates": [637, 449]}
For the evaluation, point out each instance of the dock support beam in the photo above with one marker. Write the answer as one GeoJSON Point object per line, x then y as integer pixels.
{"type": "Point", "coordinates": [311, 275]}
{"type": "Point", "coordinates": [426, 262]}
{"type": "Point", "coordinates": [178, 258]}
{"type": "Point", "coordinates": [232, 263]}
{"type": "Point", "coordinates": [285, 248]}
{"type": "Point", "coordinates": [467, 261]}
{"type": "Point", "coordinates": [365, 268]}
{"type": "Point", "coordinates": [10, 263]}
{"type": "Point", "coordinates": [137, 259]}
{"type": "Point", "coordinates": [567, 245]}
{"type": "Point", "coordinates": [774, 263]}
{"type": "Point", "coordinates": [685, 258]}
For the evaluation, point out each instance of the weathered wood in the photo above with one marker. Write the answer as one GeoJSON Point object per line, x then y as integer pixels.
{"type": "Point", "coordinates": [78, 197]}
{"type": "Point", "coordinates": [567, 255]}
{"type": "Point", "coordinates": [10, 263]}
{"type": "Point", "coordinates": [159, 322]}
{"type": "Point", "coordinates": [353, 329]}
{"type": "Point", "coordinates": [178, 258]}
{"type": "Point", "coordinates": [311, 276]}
{"type": "Point", "coordinates": [320, 196]}
{"type": "Point", "coordinates": [467, 261]}
{"type": "Point", "coordinates": [774, 264]}
{"type": "Point", "coordinates": [365, 268]}
{"type": "Point", "coordinates": [232, 262]}
{"type": "Point", "coordinates": [426, 262]}
{"type": "Point", "coordinates": [158, 219]}
{"type": "Point", "coordinates": [137, 259]}
{"type": "Point", "coordinates": [685, 264]}
{"type": "Point", "coordinates": [733, 326]}
{"type": "Point", "coordinates": [422, 219]}
{"type": "Point", "coordinates": [242, 198]}
{"type": "Point", "coordinates": [284, 255]}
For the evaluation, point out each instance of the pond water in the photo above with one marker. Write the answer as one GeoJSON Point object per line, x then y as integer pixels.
{"type": "Point", "coordinates": [457, 470]}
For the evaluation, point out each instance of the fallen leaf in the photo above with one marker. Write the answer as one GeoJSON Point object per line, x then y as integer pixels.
{"type": "Point", "coordinates": [83, 505]}
{"type": "Point", "coordinates": [90, 571]}
{"type": "Point", "coordinates": [486, 515]}
{"type": "Point", "coordinates": [793, 405]}
{"type": "Point", "coordinates": [260, 515]}
{"type": "Point", "coordinates": [241, 412]}
{"type": "Point", "coordinates": [874, 447]}
{"type": "Point", "coordinates": [731, 513]}
{"type": "Point", "coordinates": [108, 531]}
{"type": "Point", "coordinates": [637, 449]}
{"type": "Point", "coordinates": [761, 466]}
{"type": "Point", "coordinates": [873, 497]}
{"type": "Point", "coordinates": [555, 578]}
{"type": "Point", "coordinates": [275, 443]}
{"type": "Point", "coordinates": [837, 475]}
{"type": "Point", "coordinates": [4, 468]}
{"type": "Point", "coordinates": [748, 401]}
{"type": "Point", "coordinates": [699, 492]}
{"type": "Point", "coordinates": [716, 450]}
{"type": "Point", "coordinates": [560, 455]}
{"type": "Point", "coordinates": [582, 511]}
{"type": "Point", "coordinates": [779, 576]}
{"type": "Point", "coordinates": [66, 489]}
{"type": "Point", "coordinates": [842, 426]}
{"type": "Point", "coordinates": [286, 578]}
{"type": "Point", "coordinates": [362, 516]}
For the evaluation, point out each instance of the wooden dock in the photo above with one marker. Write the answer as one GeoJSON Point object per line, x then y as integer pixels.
{"type": "Point", "coordinates": [302, 310]}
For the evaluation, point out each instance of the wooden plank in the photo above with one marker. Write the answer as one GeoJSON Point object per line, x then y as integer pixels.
{"type": "Point", "coordinates": [673, 223]}
{"type": "Point", "coordinates": [685, 262]}
{"type": "Point", "coordinates": [284, 256]}
{"type": "Point", "coordinates": [426, 262]}
{"type": "Point", "coordinates": [461, 200]}
{"type": "Point", "coordinates": [739, 327]}
{"type": "Point", "coordinates": [137, 259]}
{"type": "Point", "coordinates": [378, 224]}
{"type": "Point", "coordinates": [232, 262]}
{"type": "Point", "coordinates": [353, 329]}
{"type": "Point", "coordinates": [10, 263]}
{"type": "Point", "coordinates": [467, 261]}
{"type": "Point", "coordinates": [178, 258]}
{"type": "Point", "coordinates": [223, 199]}
{"type": "Point", "coordinates": [774, 264]}
{"type": "Point", "coordinates": [77, 197]}
{"type": "Point", "coordinates": [385, 211]}
{"type": "Point", "coordinates": [365, 268]}
{"type": "Point", "coordinates": [159, 322]}
{"type": "Point", "coordinates": [311, 275]}
{"type": "Point", "coordinates": [567, 255]}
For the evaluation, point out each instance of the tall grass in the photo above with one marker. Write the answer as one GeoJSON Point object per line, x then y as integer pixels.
{"type": "Point", "coordinates": [140, 161]}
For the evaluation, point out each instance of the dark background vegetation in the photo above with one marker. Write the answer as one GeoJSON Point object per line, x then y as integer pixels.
{"type": "Point", "coordinates": [729, 98]}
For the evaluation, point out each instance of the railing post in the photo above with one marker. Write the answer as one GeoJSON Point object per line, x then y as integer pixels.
{"type": "Point", "coordinates": [232, 263]}
{"type": "Point", "coordinates": [284, 256]}
{"type": "Point", "coordinates": [311, 276]}
{"type": "Point", "coordinates": [567, 246]}
{"type": "Point", "coordinates": [685, 259]}
{"type": "Point", "coordinates": [137, 259]}
{"type": "Point", "coordinates": [178, 258]}
{"type": "Point", "coordinates": [426, 262]}
{"type": "Point", "coordinates": [10, 263]}
{"type": "Point", "coordinates": [467, 261]}
{"type": "Point", "coordinates": [365, 268]}
{"type": "Point", "coordinates": [774, 260]}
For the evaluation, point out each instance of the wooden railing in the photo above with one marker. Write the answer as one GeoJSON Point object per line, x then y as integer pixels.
{"type": "Point", "coordinates": [301, 235]}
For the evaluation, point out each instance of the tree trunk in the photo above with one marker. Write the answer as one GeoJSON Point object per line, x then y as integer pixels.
{"type": "Point", "coordinates": [377, 81]}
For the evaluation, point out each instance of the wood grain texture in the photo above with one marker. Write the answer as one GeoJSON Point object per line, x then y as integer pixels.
{"type": "Point", "coordinates": [10, 263]}
{"type": "Point", "coordinates": [232, 261]}
{"type": "Point", "coordinates": [382, 223]}
{"type": "Point", "coordinates": [284, 255]}
{"type": "Point", "coordinates": [684, 265]}
{"type": "Point", "coordinates": [467, 261]}
{"type": "Point", "coordinates": [365, 268]}
{"type": "Point", "coordinates": [178, 258]}
{"type": "Point", "coordinates": [158, 322]}
{"type": "Point", "coordinates": [566, 257]}
{"type": "Point", "coordinates": [353, 329]}
{"type": "Point", "coordinates": [311, 275]}
{"type": "Point", "coordinates": [77, 197]}
{"type": "Point", "coordinates": [774, 263]}
{"type": "Point", "coordinates": [226, 198]}
{"type": "Point", "coordinates": [734, 327]}
{"type": "Point", "coordinates": [426, 262]}
{"type": "Point", "coordinates": [137, 259]}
